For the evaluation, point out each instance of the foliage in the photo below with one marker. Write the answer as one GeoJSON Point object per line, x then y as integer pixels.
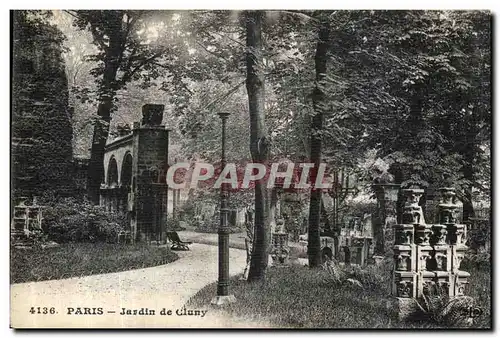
{"type": "Point", "coordinates": [211, 225]}
{"type": "Point", "coordinates": [83, 259]}
{"type": "Point", "coordinates": [479, 235]}
{"type": "Point", "coordinates": [371, 277]}
{"type": "Point", "coordinates": [281, 299]}
{"type": "Point", "coordinates": [445, 311]}
{"type": "Point", "coordinates": [419, 62]}
{"type": "Point", "coordinates": [338, 275]}
{"type": "Point", "coordinates": [39, 239]}
{"type": "Point", "coordinates": [480, 260]}
{"type": "Point", "coordinates": [381, 63]}
{"type": "Point", "coordinates": [357, 208]}
{"type": "Point", "coordinates": [72, 220]}
{"type": "Point", "coordinates": [295, 216]}
{"type": "Point", "coordinates": [174, 224]}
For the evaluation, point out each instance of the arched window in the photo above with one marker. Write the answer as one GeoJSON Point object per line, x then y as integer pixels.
{"type": "Point", "coordinates": [126, 176]}
{"type": "Point", "coordinates": [112, 172]}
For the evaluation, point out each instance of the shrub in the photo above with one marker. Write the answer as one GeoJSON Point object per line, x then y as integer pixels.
{"type": "Point", "coordinates": [371, 277]}
{"type": "Point", "coordinates": [211, 225]}
{"type": "Point", "coordinates": [174, 224]}
{"type": "Point", "coordinates": [443, 310]}
{"type": "Point", "coordinates": [480, 259]}
{"type": "Point", "coordinates": [358, 208]}
{"type": "Point", "coordinates": [72, 220]}
{"type": "Point", "coordinates": [480, 235]}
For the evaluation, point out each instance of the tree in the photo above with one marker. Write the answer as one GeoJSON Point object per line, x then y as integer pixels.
{"type": "Point", "coordinates": [121, 58]}
{"type": "Point", "coordinates": [82, 87]}
{"type": "Point", "coordinates": [318, 98]}
{"type": "Point", "coordinates": [418, 83]}
{"type": "Point", "coordinates": [470, 121]}
{"type": "Point", "coordinates": [259, 147]}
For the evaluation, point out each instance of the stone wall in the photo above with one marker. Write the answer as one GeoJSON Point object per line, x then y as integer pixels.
{"type": "Point", "coordinates": [145, 200]}
{"type": "Point", "coordinates": [41, 117]}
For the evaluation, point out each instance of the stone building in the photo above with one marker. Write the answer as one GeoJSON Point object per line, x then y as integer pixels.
{"type": "Point", "coordinates": [135, 166]}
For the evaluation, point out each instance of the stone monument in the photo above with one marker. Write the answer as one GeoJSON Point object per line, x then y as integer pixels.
{"type": "Point", "coordinates": [427, 257]}
{"type": "Point", "coordinates": [280, 250]}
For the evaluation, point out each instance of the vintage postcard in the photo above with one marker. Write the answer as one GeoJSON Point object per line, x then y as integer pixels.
{"type": "Point", "coordinates": [251, 169]}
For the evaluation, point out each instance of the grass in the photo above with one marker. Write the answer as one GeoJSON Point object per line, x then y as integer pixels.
{"type": "Point", "coordinates": [83, 259]}
{"type": "Point", "coordinates": [480, 289]}
{"type": "Point", "coordinates": [299, 297]}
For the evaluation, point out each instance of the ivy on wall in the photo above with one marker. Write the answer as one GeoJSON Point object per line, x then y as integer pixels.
{"type": "Point", "coordinates": [41, 117]}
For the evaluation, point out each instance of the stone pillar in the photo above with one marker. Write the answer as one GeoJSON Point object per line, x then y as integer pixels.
{"type": "Point", "coordinates": [454, 235]}
{"type": "Point", "coordinates": [359, 246]}
{"type": "Point", "coordinates": [427, 257]}
{"type": "Point", "coordinates": [174, 204]}
{"type": "Point", "coordinates": [405, 254]}
{"type": "Point", "coordinates": [279, 250]}
{"type": "Point", "coordinates": [347, 255]}
{"type": "Point", "coordinates": [152, 114]}
{"type": "Point", "coordinates": [385, 216]}
{"type": "Point", "coordinates": [150, 149]}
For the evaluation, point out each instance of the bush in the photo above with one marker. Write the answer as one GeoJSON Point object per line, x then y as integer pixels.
{"type": "Point", "coordinates": [374, 277]}
{"type": "Point", "coordinates": [72, 220]}
{"type": "Point", "coordinates": [480, 259]}
{"type": "Point", "coordinates": [480, 235]}
{"type": "Point", "coordinates": [358, 209]}
{"type": "Point", "coordinates": [211, 225]}
{"type": "Point", "coordinates": [174, 224]}
{"type": "Point", "coordinates": [445, 311]}
{"type": "Point", "coordinates": [370, 277]}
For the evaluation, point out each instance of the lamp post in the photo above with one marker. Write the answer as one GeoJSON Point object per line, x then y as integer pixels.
{"type": "Point", "coordinates": [387, 196]}
{"type": "Point", "coordinates": [223, 296]}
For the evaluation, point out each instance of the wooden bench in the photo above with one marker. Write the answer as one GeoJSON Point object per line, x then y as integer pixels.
{"type": "Point", "coordinates": [177, 244]}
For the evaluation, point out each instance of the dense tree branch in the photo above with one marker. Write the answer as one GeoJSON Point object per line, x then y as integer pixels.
{"type": "Point", "coordinates": [210, 52]}
{"type": "Point", "coordinates": [230, 38]}
{"type": "Point", "coordinates": [301, 16]}
{"type": "Point", "coordinates": [226, 95]}
{"type": "Point", "coordinates": [168, 67]}
{"type": "Point", "coordinates": [129, 73]}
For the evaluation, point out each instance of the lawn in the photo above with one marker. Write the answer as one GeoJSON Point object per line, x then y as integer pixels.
{"type": "Point", "coordinates": [299, 297]}
{"type": "Point", "coordinates": [83, 259]}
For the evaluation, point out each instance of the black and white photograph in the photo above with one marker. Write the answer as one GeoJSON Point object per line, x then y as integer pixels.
{"type": "Point", "coordinates": [250, 169]}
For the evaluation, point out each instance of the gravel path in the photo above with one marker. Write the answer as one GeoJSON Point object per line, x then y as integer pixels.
{"type": "Point", "coordinates": [163, 287]}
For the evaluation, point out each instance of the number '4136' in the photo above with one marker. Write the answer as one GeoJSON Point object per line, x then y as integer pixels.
{"type": "Point", "coordinates": [42, 310]}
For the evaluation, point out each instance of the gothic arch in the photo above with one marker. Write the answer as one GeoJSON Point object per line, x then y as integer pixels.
{"type": "Point", "coordinates": [112, 172]}
{"type": "Point", "coordinates": [126, 171]}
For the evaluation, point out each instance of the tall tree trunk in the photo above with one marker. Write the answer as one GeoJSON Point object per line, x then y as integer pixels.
{"type": "Point", "coordinates": [273, 210]}
{"type": "Point", "coordinates": [397, 172]}
{"type": "Point", "coordinates": [468, 167]}
{"type": "Point", "coordinates": [318, 96]}
{"type": "Point", "coordinates": [258, 142]}
{"type": "Point", "coordinates": [107, 90]}
{"type": "Point", "coordinates": [95, 173]}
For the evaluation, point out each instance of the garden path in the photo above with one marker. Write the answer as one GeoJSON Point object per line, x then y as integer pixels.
{"type": "Point", "coordinates": [167, 286]}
